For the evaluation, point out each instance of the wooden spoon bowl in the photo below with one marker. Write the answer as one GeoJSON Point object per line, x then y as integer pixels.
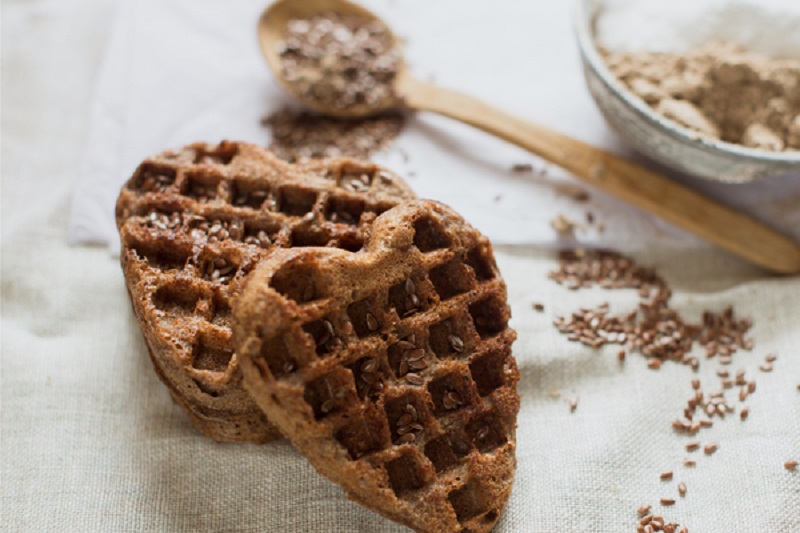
{"type": "Point", "coordinates": [272, 31]}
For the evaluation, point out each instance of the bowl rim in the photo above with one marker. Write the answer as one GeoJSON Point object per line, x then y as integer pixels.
{"type": "Point", "coordinates": [584, 12]}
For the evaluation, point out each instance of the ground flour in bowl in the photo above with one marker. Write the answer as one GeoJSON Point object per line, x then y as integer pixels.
{"type": "Point", "coordinates": [727, 70]}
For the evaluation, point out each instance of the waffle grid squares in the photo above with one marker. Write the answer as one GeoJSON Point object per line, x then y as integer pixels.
{"type": "Point", "coordinates": [193, 222]}
{"type": "Point", "coordinates": [416, 436]}
{"type": "Point", "coordinates": [204, 187]}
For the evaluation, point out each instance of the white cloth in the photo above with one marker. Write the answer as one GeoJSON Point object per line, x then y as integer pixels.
{"type": "Point", "coordinates": [179, 71]}
{"type": "Point", "coordinates": [90, 440]}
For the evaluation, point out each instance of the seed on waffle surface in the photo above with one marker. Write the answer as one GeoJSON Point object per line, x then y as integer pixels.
{"type": "Point", "coordinates": [434, 447]}
{"type": "Point", "coordinates": [193, 223]}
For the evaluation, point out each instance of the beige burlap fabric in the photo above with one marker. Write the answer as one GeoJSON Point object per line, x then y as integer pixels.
{"type": "Point", "coordinates": [90, 440]}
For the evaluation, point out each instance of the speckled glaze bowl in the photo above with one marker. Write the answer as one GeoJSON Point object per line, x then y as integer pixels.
{"type": "Point", "coordinates": [659, 138]}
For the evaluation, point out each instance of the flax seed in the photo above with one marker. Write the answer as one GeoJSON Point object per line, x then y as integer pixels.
{"type": "Point", "coordinates": [369, 366]}
{"type": "Point", "coordinates": [407, 438]}
{"type": "Point", "coordinates": [456, 343]}
{"type": "Point", "coordinates": [372, 322]}
{"type": "Point", "coordinates": [414, 379]}
{"type": "Point", "coordinates": [680, 425]}
{"type": "Point", "coordinates": [682, 489]}
{"type": "Point", "coordinates": [643, 510]}
{"type": "Point", "coordinates": [709, 449]}
{"type": "Point", "coordinates": [573, 404]}
{"type": "Point", "coordinates": [405, 345]}
{"type": "Point", "coordinates": [742, 394]}
{"type": "Point", "coordinates": [666, 476]}
{"type": "Point", "coordinates": [667, 501]}
{"type": "Point", "coordinates": [790, 465]}
{"type": "Point", "coordinates": [692, 446]}
{"type": "Point", "coordinates": [452, 400]}
{"type": "Point", "coordinates": [327, 406]}
{"type": "Point", "coordinates": [744, 413]}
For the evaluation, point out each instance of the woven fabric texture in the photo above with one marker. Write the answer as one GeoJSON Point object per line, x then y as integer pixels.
{"type": "Point", "coordinates": [90, 440]}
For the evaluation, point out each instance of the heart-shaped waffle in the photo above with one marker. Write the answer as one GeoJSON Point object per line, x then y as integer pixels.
{"type": "Point", "coordinates": [194, 222]}
{"type": "Point", "coordinates": [390, 369]}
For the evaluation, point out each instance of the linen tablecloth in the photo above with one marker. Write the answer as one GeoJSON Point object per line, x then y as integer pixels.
{"type": "Point", "coordinates": [90, 440]}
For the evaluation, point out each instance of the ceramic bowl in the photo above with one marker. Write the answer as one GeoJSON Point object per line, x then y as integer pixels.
{"type": "Point", "coordinates": [659, 138]}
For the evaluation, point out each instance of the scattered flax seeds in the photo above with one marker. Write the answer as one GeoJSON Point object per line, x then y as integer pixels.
{"type": "Point", "coordinates": [298, 135]}
{"type": "Point", "coordinates": [655, 330]}
{"type": "Point", "coordinates": [340, 61]}
{"type": "Point", "coordinates": [790, 465]}
{"type": "Point", "coordinates": [660, 333]}
{"type": "Point", "coordinates": [538, 307]}
{"type": "Point", "coordinates": [653, 523]}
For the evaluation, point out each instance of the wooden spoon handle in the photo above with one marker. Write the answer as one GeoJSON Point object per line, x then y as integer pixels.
{"type": "Point", "coordinates": [637, 185]}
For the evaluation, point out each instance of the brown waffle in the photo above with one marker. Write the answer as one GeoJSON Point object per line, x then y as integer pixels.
{"type": "Point", "coordinates": [194, 222]}
{"type": "Point", "coordinates": [391, 368]}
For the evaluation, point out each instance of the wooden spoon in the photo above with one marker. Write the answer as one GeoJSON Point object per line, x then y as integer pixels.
{"type": "Point", "coordinates": [637, 185]}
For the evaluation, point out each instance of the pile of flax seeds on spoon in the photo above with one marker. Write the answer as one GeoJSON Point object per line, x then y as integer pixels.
{"type": "Point", "coordinates": [339, 61]}
{"type": "Point", "coordinates": [659, 332]}
{"type": "Point", "coordinates": [336, 61]}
